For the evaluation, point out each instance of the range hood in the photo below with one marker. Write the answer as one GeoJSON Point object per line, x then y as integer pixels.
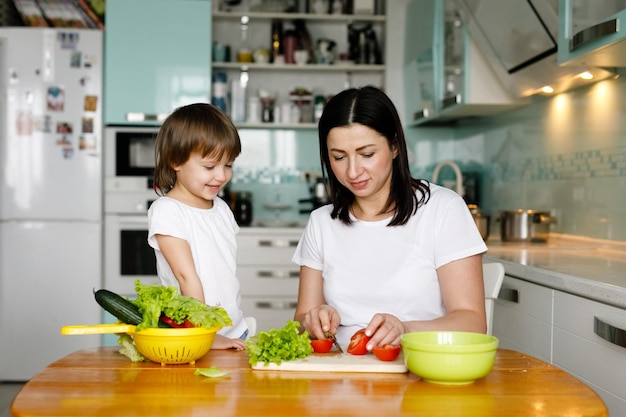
{"type": "Point", "coordinates": [519, 39]}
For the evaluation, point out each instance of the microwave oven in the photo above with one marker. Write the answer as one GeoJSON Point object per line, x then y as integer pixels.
{"type": "Point", "coordinates": [129, 157]}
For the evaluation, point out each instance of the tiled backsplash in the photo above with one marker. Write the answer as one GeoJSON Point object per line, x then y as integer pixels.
{"type": "Point", "coordinates": [565, 154]}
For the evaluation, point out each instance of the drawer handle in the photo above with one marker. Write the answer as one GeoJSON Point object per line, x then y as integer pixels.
{"type": "Point", "coordinates": [594, 32]}
{"type": "Point", "coordinates": [509, 294]}
{"type": "Point", "coordinates": [277, 305]}
{"type": "Point", "coordinates": [278, 243]}
{"type": "Point", "coordinates": [609, 333]}
{"type": "Point", "coordinates": [278, 274]}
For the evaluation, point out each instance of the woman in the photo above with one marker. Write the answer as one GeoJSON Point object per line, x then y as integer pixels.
{"type": "Point", "coordinates": [391, 254]}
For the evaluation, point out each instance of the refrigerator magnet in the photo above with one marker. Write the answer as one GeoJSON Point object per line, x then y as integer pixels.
{"type": "Point", "coordinates": [87, 124]}
{"type": "Point", "coordinates": [56, 98]}
{"type": "Point", "coordinates": [86, 142]}
{"type": "Point", "coordinates": [67, 152]}
{"type": "Point", "coordinates": [91, 103]}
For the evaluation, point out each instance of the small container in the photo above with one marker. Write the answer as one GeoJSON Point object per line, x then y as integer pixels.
{"type": "Point", "coordinates": [253, 111]}
{"type": "Point", "coordinates": [243, 208]}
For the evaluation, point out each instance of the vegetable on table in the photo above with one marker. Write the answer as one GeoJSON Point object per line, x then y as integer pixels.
{"type": "Point", "coordinates": [358, 343]}
{"type": "Point", "coordinates": [387, 352]}
{"type": "Point", "coordinates": [322, 345]}
{"type": "Point", "coordinates": [212, 372]}
{"type": "Point", "coordinates": [277, 345]}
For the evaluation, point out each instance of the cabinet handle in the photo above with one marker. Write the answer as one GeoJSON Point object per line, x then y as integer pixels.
{"type": "Point", "coordinates": [278, 243]}
{"type": "Point", "coordinates": [143, 117]}
{"type": "Point", "coordinates": [421, 114]}
{"type": "Point", "coordinates": [451, 101]}
{"type": "Point", "coordinates": [594, 32]}
{"type": "Point", "coordinates": [277, 305]}
{"type": "Point", "coordinates": [509, 294]}
{"type": "Point", "coordinates": [278, 274]}
{"type": "Point", "coordinates": [609, 333]}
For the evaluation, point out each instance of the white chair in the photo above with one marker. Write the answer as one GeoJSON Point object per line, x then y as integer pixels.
{"type": "Point", "coordinates": [493, 275]}
{"type": "Point", "coordinates": [251, 321]}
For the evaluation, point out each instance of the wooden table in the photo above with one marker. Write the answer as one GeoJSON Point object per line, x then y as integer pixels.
{"type": "Point", "coordinates": [101, 382]}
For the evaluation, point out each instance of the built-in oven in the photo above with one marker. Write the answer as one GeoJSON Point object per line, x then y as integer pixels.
{"type": "Point", "coordinates": [127, 253]}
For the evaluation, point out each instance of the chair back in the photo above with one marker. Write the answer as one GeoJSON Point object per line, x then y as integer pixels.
{"type": "Point", "coordinates": [251, 321]}
{"type": "Point", "coordinates": [493, 275]}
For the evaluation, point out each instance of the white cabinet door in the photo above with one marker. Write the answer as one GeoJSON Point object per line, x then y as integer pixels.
{"type": "Point", "coordinates": [522, 318]}
{"type": "Point", "coordinates": [579, 348]}
{"type": "Point", "coordinates": [269, 280]}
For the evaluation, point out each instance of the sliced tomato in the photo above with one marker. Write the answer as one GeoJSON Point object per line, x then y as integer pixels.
{"type": "Point", "coordinates": [387, 352]}
{"type": "Point", "coordinates": [322, 345]}
{"type": "Point", "coordinates": [172, 323]}
{"type": "Point", "coordinates": [358, 343]}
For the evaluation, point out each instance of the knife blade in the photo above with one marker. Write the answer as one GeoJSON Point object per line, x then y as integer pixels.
{"type": "Point", "coordinates": [329, 335]}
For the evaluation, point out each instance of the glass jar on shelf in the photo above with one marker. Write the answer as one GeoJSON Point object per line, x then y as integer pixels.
{"type": "Point", "coordinates": [302, 99]}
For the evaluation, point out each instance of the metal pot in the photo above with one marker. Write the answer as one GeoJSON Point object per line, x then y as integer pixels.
{"type": "Point", "coordinates": [525, 225]}
{"type": "Point", "coordinates": [482, 221]}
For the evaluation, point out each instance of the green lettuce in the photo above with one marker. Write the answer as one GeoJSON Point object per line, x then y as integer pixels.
{"type": "Point", "coordinates": [128, 348]}
{"type": "Point", "coordinates": [212, 372]}
{"type": "Point", "coordinates": [154, 300]}
{"type": "Point", "coordinates": [277, 345]}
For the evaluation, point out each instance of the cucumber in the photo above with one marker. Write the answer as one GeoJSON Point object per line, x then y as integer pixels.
{"type": "Point", "coordinates": [124, 310]}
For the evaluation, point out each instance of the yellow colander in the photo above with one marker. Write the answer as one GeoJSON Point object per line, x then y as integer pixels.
{"type": "Point", "coordinates": [164, 346]}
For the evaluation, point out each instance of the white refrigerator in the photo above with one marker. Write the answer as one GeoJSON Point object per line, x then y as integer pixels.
{"type": "Point", "coordinates": [50, 194]}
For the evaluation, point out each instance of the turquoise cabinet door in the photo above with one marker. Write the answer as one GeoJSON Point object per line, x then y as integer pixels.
{"type": "Point", "coordinates": [590, 33]}
{"type": "Point", "coordinates": [157, 58]}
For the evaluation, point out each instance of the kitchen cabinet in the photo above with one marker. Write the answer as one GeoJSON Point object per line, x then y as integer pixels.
{"type": "Point", "coordinates": [269, 280]}
{"type": "Point", "coordinates": [157, 58]}
{"type": "Point", "coordinates": [522, 317]}
{"type": "Point", "coordinates": [253, 31]}
{"type": "Point", "coordinates": [448, 76]}
{"type": "Point", "coordinates": [581, 330]}
{"type": "Point", "coordinates": [590, 33]}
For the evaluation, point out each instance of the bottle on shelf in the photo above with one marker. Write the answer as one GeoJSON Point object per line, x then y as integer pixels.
{"type": "Point", "coordinates": [245, 52]}
{"type": "Point", "coordinates": [277, 46]}
{"type": "Point", "coordinates": [219, 91]}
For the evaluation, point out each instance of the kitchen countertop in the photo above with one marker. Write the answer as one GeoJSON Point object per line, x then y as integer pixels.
{"type": "Point", "coordinates": [591, 268]}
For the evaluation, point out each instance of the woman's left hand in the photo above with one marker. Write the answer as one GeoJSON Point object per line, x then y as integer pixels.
{"type": "Point", "coordinates": [384, 329]}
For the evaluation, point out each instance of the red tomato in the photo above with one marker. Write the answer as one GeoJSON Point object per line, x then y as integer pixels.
{"type": "Point", "coordinates": [322, 345]}
{"type": "Point", "coordinates": [358, 343]}
{"type": "Point", "coordinates": [387, 352]}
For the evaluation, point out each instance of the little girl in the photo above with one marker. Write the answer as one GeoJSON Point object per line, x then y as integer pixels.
{"type": "Point", "coordinates": [191, 229]}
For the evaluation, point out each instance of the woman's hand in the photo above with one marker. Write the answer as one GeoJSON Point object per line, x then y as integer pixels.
{"type": "Point", "coordinates": [384, 329]}
{"type": "Point", "coordinates": [320, 320]}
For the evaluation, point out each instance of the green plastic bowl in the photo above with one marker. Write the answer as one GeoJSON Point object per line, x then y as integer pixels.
{"type": "Point", "coordinates": [452, 358]}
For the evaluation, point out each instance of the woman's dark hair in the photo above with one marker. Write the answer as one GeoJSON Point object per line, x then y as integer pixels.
{"type": "Point", "coordinates": [201, 128]}
{"type": "Point", "coordinates": [371, 107]}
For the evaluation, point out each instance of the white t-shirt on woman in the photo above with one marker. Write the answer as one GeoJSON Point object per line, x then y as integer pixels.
{"type": "Point", "coordinates": [370, 268]}
{"type": "Point", "coordinates": [211, 237]}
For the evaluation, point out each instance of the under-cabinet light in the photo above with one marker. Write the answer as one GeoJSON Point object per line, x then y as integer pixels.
{"type": "Point", "coordinates": [586, 75]}
{"type": "Point", "coordinates": [547, 89]}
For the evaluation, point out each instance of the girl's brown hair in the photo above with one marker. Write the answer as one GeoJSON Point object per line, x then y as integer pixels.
{"type": "Point", "coordinates": [201, 128]}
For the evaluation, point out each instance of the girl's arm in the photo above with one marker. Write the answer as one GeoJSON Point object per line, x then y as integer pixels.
{"type": "Point", "coordinates": [178, 255]}
{"type": "Point", "coordinates": [312, 313]}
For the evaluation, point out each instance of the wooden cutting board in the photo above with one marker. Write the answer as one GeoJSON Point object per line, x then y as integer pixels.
{"type": "Point", "coordinates": [337, 362]}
